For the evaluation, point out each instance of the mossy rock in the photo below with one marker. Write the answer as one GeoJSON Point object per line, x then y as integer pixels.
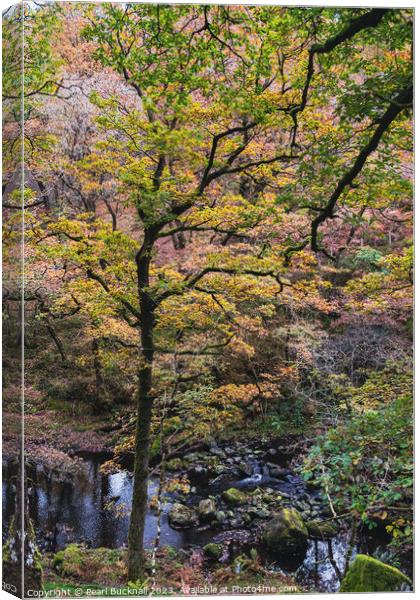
{"type": "Point", "coordinates": [259, 512]}
{"type": "Point", "coordinates": [220, 516]}
{"type": "Point", "coordinates": [234, 496]}
{"type": "Point", "coordinates": [322, 530]}
{"type": "Point", "coordinates": [286, 537]}
{"type": "Point", "coordinates": [213, 550]}
{"type": "Point", "coordinates": [206, 509]}
{"type": "Point", "coordinates": [180, 516]}
{"type": "Point", "coordinates": [367, 574]}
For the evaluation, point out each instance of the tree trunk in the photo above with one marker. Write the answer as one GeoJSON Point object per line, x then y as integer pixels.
{"type": "Point", "coordinates": [136, 556]}
{"type": "Point", "coordinates": [101, 397]}
{"type": "Point", "coordinates": [57, 341]}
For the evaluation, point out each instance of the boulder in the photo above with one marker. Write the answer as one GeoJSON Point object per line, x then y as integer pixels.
{"type": "Point", "coordinates": [286, 537]}
{"type": "Point", "coordinates": [180, 516]}
{"type": "Point", "coordinates": [247, 519]}
{"type": "Point", "coordinates": [234, 496]}
{"type": "Point", "coordinates": [213, 550]}
{"type": "Point", "coordinates": [216, 451]}
{"type": "Point", "coordinates": [367, 574]}
{"type": "Point", "coordinates": [219, 469]}
{"type": "Point", "coordinates": [220, 516]}
{"type": "Point", "coordinates": [278, 472]}
{"type": "Point", "coordinates": [236, 522]}
{"type": "Point", "coordinates": [206, 509]}
{"type": "Point", "coordinates": [198, 474]}
{"type": "Point", "coordinates": [322, 530]}
{"type": "Point", "coordinates": [192, 457]}
{"type": "Point", "coordinates": [246, 468]}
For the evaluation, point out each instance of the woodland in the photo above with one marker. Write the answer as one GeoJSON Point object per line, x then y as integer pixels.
{"type": "Point", "coordinates": [216, 222]}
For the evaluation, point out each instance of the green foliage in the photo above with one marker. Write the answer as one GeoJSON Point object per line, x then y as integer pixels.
{"type": "Point", "coordinates": [367, 258]}
{"type": "Point", "coordinates": [278, 424]}
{"type": "Point", "coordinates": [78, 562]}
{"type": "Point", "coordinates": [34, 28]}
{"type": "Point", "coordinates": [365, 463]}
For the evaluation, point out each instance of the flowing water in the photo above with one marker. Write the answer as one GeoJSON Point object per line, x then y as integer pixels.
{"type": "Point", "coordinates": [94, 508]}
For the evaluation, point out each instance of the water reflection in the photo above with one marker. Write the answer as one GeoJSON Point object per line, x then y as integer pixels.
{"type": "Point", "coordinates": [94, 508]}
{"type": "Point", "coordinates": [318, 569]}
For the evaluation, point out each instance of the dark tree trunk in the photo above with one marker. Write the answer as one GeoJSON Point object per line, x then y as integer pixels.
{"type": "Point", "coordinates": [136, 556]}
{"type": "Point", "coordinates": [101, 396]}
{"type": "Point", "coordinates": [178, 239]}
{"type": "Point", "coordinates": [57, 341]}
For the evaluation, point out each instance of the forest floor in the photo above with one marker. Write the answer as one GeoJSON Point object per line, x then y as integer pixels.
{"type": "Point", "coordinates": [102, 571]}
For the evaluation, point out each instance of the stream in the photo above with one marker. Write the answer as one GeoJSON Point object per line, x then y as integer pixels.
{"type": "Point", "coordinates": [94, 508]}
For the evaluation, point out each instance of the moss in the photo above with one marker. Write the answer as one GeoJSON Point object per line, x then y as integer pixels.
{"type": "Point", "coordinates": [286, 536]}
{"type": "Point", "coordinates": [213, 550]}
{"type": "Point", "coordinates": [37, 556]}
{"type": "Point", "coordinates": [322, 530]}
{"type": "Point", "coordinates": [8, 554]}
{"type": "Point", "coordinates": [69, 560]}
{"type": "Point", "coordinates": [367, 574]}
{"type": "Point", "coordinates": [234, 496]}
{"type": "Point", "coordinates": [181, 516]}
{"type": "Point", "coordinates": [76, 562]}
{"type": "Point", "coordinates": [155, 448]}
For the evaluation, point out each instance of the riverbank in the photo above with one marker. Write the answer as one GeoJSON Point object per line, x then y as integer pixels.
{"type": "Point", "coordinates": [102, 571]}
{"type": "Point", "coordinates": [226, 512]}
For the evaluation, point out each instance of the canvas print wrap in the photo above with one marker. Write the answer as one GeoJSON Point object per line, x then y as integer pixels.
{"type": "Point", "coordinates": [207, 293]}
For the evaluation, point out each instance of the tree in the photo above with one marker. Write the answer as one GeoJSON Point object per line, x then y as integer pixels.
{"type": "Point", "coordinates": [213, 139]}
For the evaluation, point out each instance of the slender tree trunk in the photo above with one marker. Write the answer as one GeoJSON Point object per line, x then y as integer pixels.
{"type": "Point", "coordinates": [101, 397]}
{"type": "Point", "coordinates": [136, 556]}
{"type": "Point", "coordinates": [57, 341]}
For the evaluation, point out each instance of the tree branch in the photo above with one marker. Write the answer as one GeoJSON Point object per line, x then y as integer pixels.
{"type": "Point", "coordinates": [191, 280]}
{"type": "Point", "coordinates": [206, 350]}
{"type": "Point", "coordinates": [92, 275]}
{"type": "Point", "coordinates": [365, 21]}
{"type": "Point", "coordinates": [216, 139]}
{"type": "Point", "coordinates": [401, 101]}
